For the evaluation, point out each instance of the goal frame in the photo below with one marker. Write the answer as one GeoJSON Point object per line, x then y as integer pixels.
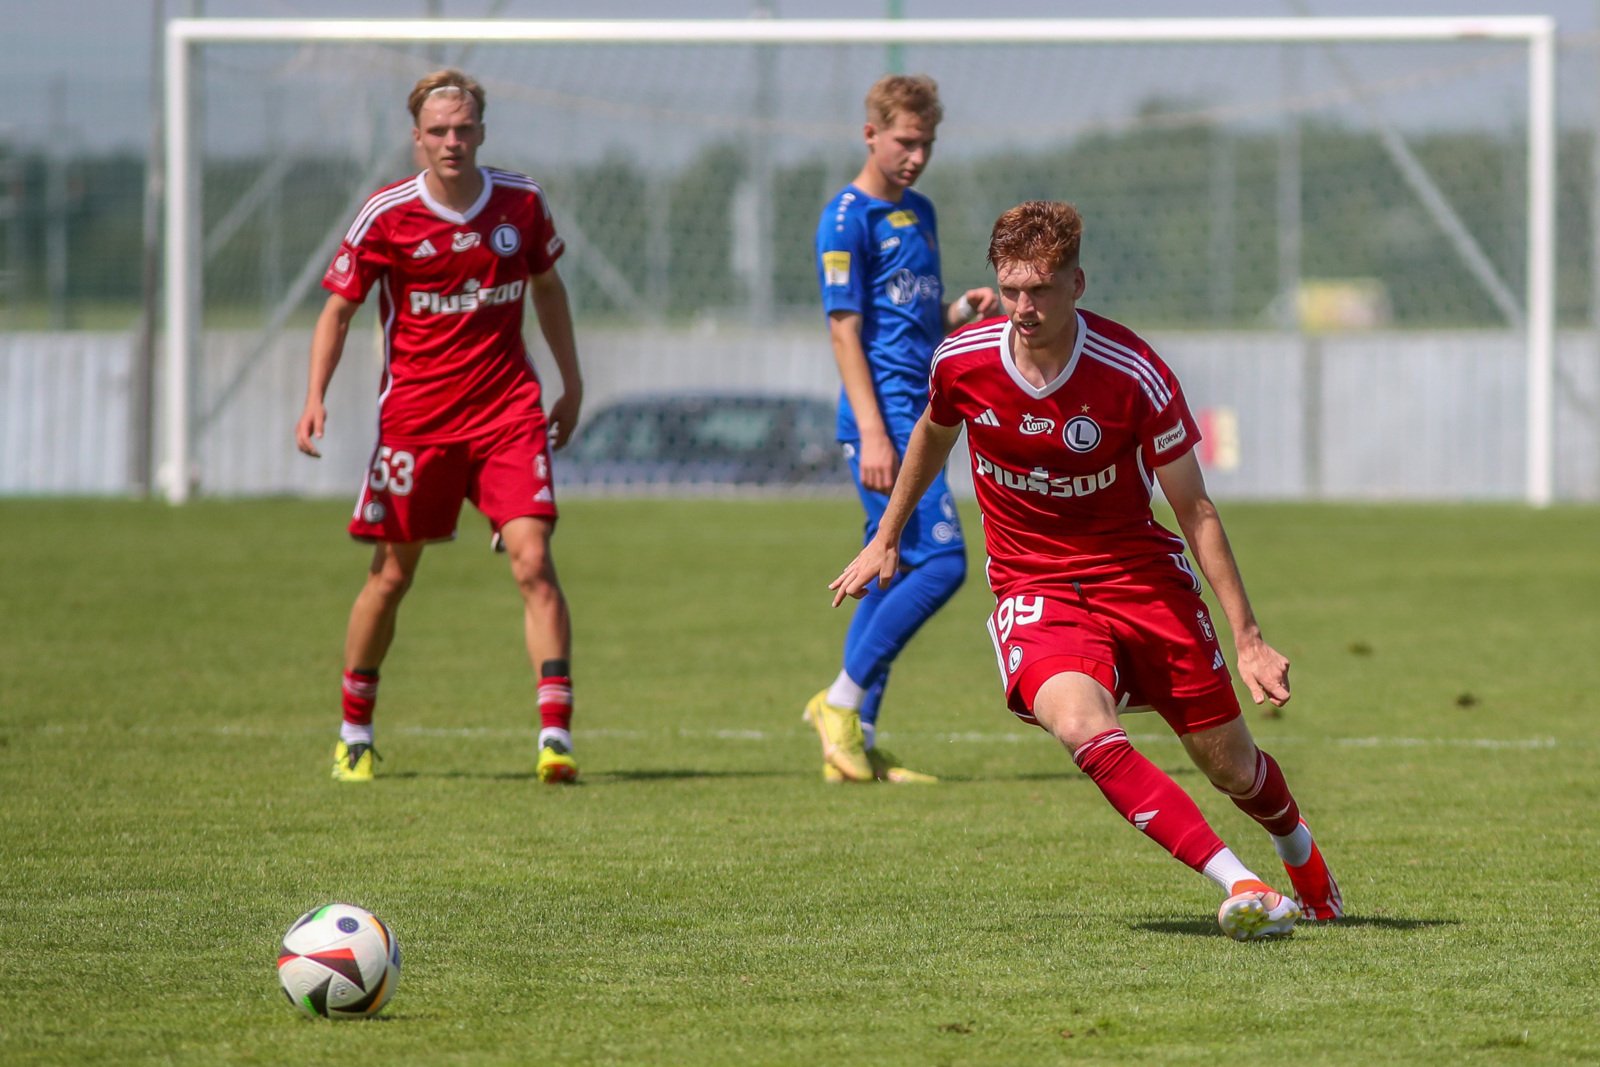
{"type": "Point", "coordinates": [182, 276]}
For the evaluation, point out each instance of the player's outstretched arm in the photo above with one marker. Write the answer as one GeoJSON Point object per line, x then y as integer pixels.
{"type": "Point", "coordinates": [1262, 668]}
{"type": "Point", "coordinates": [555, 324]}
{"type": "Point", "coordinates": [327, 346]}
{"type": "Point", "coordinates": [973, 304]}
{"type": "Point", "coordinates": [925, 456]}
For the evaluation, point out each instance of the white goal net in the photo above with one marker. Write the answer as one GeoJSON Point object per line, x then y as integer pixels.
{"type": "Point", "coordinates": [1338, 231]}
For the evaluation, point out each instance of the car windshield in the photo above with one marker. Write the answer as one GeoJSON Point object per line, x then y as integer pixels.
{"type": "Point", "coordinates": [698, 430]}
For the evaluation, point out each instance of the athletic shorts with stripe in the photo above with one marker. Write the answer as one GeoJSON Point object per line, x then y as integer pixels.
{"type": "Point", "coordinates": [413, 492]}
{"type": "Point", "coordinates": [1148, 639]}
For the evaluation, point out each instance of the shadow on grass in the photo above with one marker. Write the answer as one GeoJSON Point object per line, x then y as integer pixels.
{"type": "Point", "coordinates": [1208, 927]}
{"type": "Point", "coordinates": [662, 774]}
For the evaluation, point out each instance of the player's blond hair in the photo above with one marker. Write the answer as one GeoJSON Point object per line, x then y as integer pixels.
{"type": "Point", "coordinates": [1043, 234]}
{"type": "Point", "coordinates": [912, 94]}
{"type": "Point", "coordinates": [444, 81]}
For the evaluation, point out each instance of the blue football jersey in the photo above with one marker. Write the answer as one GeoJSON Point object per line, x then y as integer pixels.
{"type": "Point", "coordinates": [881, 260]}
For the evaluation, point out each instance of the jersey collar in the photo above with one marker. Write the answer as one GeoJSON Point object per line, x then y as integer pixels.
{"type": "Point", "coordinates": [1055, 383]}
{"type": "Point", "coordinates": [448, 214]}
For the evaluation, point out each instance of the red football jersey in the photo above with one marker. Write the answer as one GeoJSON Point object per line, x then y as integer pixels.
{"type": "Point", "coordinates": [452, 287]}
{"type": "Point", "coordinates": [1064, 474]}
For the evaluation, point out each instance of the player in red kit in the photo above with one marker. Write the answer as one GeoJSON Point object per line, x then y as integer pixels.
{"type": "Point", "coordinates": [454, 252]}
{"type": "Point", "coordinates": [1072, 420]}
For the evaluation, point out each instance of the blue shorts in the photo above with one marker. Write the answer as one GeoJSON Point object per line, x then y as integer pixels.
{"type": "Point", "coordinates": [934, 528]}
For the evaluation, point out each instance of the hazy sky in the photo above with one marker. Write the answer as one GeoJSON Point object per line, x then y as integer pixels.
{"type": "Point", "coordinates": [85, 64]}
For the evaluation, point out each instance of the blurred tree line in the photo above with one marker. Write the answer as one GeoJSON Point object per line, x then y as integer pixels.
{"type": "Point", "coordinates": [1182, 225]}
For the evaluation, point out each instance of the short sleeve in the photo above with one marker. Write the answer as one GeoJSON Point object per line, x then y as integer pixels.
{"type": "Point", "coordinates": [841, 259]}
{"type": "Point", "coordinates": [1170, 431]}
{"type": "Point", "coordinates": [941, 407]}
{"type": "Point", "coordinates": [356, 267]}
{"type": "Point", "coordinates": [544, 245]}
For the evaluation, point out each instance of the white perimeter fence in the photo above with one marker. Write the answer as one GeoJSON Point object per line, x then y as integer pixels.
{"type": "Point", "coordinates": [1368, 416]}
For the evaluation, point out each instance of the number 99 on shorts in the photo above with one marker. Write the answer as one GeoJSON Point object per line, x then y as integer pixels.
{"type": "Point", "coordinates": [1016, 611]}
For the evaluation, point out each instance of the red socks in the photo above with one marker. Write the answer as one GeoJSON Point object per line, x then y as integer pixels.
{"type": "Point", "coordinates": [1144, 795]}
{"type": "Point", "coordinates": [1268, 801]}
{"type": "Point", "coordinates": [555, 695]}
{"type": "Point", "coordinates": [360, 696]}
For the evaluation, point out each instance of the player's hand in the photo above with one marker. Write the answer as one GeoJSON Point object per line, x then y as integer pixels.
{"type": "Point", "coordinates": [877, 560]}
{"type": "Point", "coordinates": [984, 302]}
{"type": "Point", "coordinates": [1266, 671]}
{"type": "Point", "coordinates": [564, 417]}
{"type": "Point", "coordinates": [878, 463]}
{"type": "Point", "coordinates": [309, 429]}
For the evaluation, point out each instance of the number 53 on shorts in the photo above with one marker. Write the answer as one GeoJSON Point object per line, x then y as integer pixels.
{"type": "Point", "coordinates": [393, 470]}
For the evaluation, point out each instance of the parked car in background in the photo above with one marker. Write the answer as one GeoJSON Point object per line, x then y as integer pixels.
{"type": "Point", "coordinates": [705, 439]}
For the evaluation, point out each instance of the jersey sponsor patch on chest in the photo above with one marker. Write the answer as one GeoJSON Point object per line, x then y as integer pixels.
{"type": "Point", "coordinates": [1041, 481]}
{"type": "Point", "coordinates": [470, 298]}
{"type": "Point", "coordinates": [463, 241]}
{"type": "Point", "coordinates": [901, 219]}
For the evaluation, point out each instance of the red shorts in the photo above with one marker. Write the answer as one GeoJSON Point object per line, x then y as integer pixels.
{"type": "Point", "coordinates": [414, 492]}
{"type": "Point", "coordinates": [1148, 641]}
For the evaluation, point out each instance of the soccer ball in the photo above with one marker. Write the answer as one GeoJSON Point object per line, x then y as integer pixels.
{"type": "Point", "coordinates": [339, 962]}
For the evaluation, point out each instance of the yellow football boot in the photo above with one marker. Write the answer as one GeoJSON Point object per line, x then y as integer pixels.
{"type": "Point", "coordinates": [353, 763]}
{"type": "Point", "coordinates": [843, 747]}
{"type": "Point", "coordinates": [885, 768]}
{"type": "Point", "coordinates": [556, 764]}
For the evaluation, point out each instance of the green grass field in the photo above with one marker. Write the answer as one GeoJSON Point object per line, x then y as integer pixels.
{"type": "Point", "coordinates": [168, 705]}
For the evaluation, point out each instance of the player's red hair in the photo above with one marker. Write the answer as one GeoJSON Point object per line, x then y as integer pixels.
{"type": "Point", "coordinates": [444, 79]}
{"type": "Point", "coordinates": [1044, 234]}
{"type": "Point", "coordinates": [911, 94]}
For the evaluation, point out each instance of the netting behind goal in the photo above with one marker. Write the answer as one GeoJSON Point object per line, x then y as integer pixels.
{"type": "Point", "coordinates": [1328, 240]}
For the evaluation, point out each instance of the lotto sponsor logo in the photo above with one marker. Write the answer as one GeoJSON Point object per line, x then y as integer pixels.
{"type": "Point", "coordinates": [1033, 426]}
{"type": "Point", "coordinates": [469, 300]}
{"type": "Point", "coordinates": [463, 241]}
{"type": "Point", "coordinates": [1042, 482]}
{"type": "Point", "coordinates": [836, 268]}
{"type": "Point", "coordinates": [1171, 438]}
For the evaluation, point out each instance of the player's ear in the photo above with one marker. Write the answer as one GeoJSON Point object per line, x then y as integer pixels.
{"type": "Point", "coordinates": [1079, 283]}
{"type": "Point", "coordinates": [869, 133]}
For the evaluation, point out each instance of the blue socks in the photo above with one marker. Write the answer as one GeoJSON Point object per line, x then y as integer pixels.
{"type": "Point", "coordinates": [886, 619]}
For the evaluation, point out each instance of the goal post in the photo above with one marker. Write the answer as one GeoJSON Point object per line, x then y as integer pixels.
{"type": "Point", "coordinates": [751, 266]}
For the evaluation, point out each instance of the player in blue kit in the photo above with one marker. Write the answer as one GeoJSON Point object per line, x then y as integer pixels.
{"type": "Point", "coordinates": [878, 265]}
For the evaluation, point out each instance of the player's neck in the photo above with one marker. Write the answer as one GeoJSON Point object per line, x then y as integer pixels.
{"type": "Point", "coordinates": [1042, 364]}
{"type": "Point", "coordinates": [458, 194]}
{"type": "Point", "coordinates": [872, 182]}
